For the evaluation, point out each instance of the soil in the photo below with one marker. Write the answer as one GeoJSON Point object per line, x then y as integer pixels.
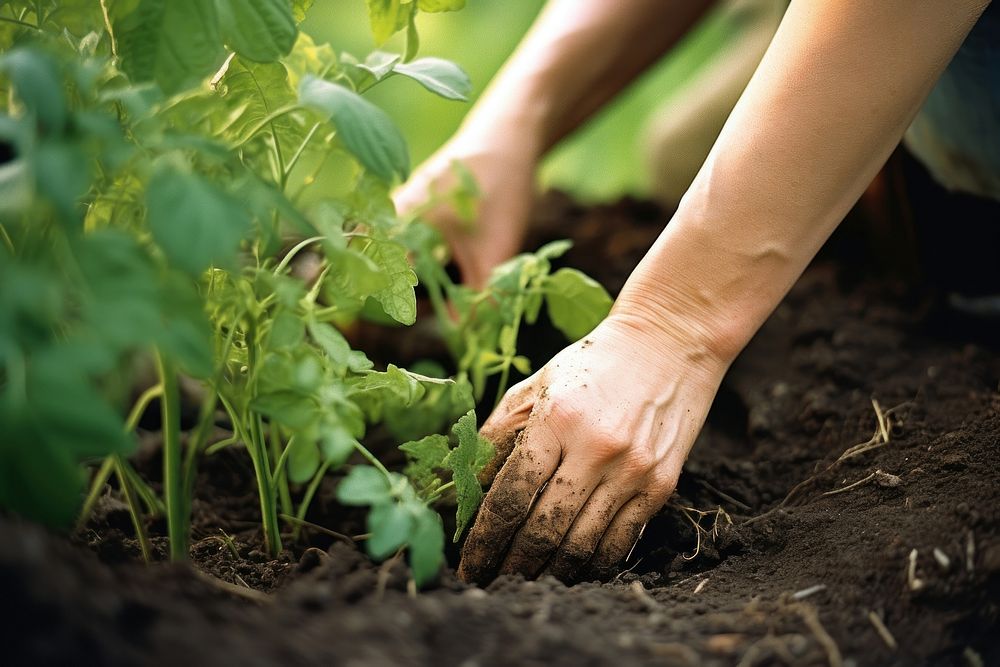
{"type": "Point", "coordinates": [791, 565]}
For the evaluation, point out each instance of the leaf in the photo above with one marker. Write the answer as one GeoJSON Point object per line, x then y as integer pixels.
{"type": "Point", "coordinates": [259, 30]}
{"type": "Point", "coordinates": [395, 382]}
{"type": "Point", "coordinates": [175, 43]}
{"type": "Point", "coordinates": [288, 408]}
{"type": "Point", "coordinates": [389, 525]}
{"type": "Point", "coordinates": [398, 298]}
{"type": "Point", "coordinates": [440, 5]}
{"type": "Point", "coordinates": [364, 129]}
{"type": "Point", "coordinates": [287, 331]}
{"type": "Point", "coordinates": [300, 8]}
{"type": "Point", "coordinates": [388, 17]}
{"type": "Point", "coordinates": [364, 485]}
{"type": "Point", "coordinates": [337, 348]}
{"type": "Point", "coordinates": [425, 456]}
{"type": "Point", "coordinates": [426, 546]}
{"type": "Point", "coordinates": [554, 249]}
{"type": "Point", "coordinates": [439, 76]}
{"type": "Point", "coordinates": [379, 64]}
{"type": "Point", "coordinates": [576, 302]}
{"type": "Point", "coordinates": [196, 224]}
{"type": "Point", "coordinates": [251, 91]}
{"type": "Point", "coordinates": [37, 82]}
{"type": "Point", "coordinates": [303, 460]}
{"type": "Point", "coordinates": [466, 461]}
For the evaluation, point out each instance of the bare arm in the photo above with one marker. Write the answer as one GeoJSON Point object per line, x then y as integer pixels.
{"type": "Point", "coordinates": [611, 419]}
{"type": "Point", "coordinates": [831, 99]}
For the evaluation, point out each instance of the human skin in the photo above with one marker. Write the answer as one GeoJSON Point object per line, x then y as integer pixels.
{"type": "Point", "coordinates": [592, 445]}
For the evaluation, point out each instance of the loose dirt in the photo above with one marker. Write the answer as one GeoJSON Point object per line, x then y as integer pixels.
{"type": "Point", "coordinates": [902, 568]}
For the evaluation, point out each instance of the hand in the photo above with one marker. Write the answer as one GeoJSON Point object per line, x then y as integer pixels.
{"type": "Point", "coordinates": [503, 168]}
{"type": "Point", "coordinates": [591, 447]}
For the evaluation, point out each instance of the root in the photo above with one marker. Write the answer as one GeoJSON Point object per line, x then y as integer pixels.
{"type": "Point", "coordinates": [695, 516]}
{"type": "Point", "coordinates": [882, 630]}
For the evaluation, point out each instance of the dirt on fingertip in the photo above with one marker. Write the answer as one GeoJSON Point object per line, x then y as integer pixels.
{"type": "Point", "coordinates": [890, 556]}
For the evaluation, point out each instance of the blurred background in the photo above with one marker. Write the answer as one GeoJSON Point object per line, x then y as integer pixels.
{"type": "Point", "coordinates": [601, 162]}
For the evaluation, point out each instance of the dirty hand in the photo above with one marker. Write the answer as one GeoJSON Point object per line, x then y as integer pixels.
{"type": "Point", "coordinates": [591, 447]}
{"type": "Point", "coordinates": [503, 169]}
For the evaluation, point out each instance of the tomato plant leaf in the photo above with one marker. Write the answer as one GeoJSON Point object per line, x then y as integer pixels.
{"type": "Point", "coordinates": [363, 485]}
{"type": "Point", "coordinates": [259, 30]}
{"type": "Point", "coordinates": [426, 546]}
{"type": "Point", "coordinates": [172, 42]}
{"type": "Point", "coordinates": [398, 298]}
{"type": "Point", "coordinates": [425, 456]}
{"type": "Point", "coordinates": [576, 302]}
{"type": "Point", "coordinates": [300, 8]}
{"type": "Point", "coordinates": [364, 129]}
{"type": "Point", "coordinates": [389, 525]}
{"type": "Point", "coordinates": [303, 460]}
{"type": "Point", "coordinates": [195, 223]}
{"type": "Point", "coordinates": [465, 461]}
{"type": "Point", "coordinates": [439, 76]}
{"type": "Point", "coordinates": [337, 348]}
{"type": "Point", "coordinates": [440, 5]}
{"type": "Point", "coordinates": [388, 17]}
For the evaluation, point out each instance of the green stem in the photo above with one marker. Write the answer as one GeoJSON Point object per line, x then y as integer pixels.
{"type": "Point", "coordinates": [290, 255]}
{"type": "Point", "coordinates": [154, 505]}
{"type": "Point", "coordinates": [173, 483]}
{"type": "Point", "coordinates": [141, 403]}
{"type": "Point", "coordinates": [267, 120]}
{"type": "Point", "coordinates": [96, 488]}
{"type": "Point", "coordinates": [298, 153]}
{"type": "Point", "coordinates": [279, 478]}
{"type": "Point", "coordinates": [133, 509]}
{"type": "Point", "coordinates": [217, 447]}
{"type": "Point", "coordinates": [23, 24]}
{"type": "Point", "coordinates": [262, 472]}
{"type": "Point", "coordinates": [371, 458]}
{"type": "Point", "coordinates": [300, 515]}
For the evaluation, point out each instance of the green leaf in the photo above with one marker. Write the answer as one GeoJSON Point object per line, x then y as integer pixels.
{"type": "Point", "coordinates": [251, 91]}
{"type": "Point", "coordinates": [303, 460]}
{"type": "Point", "coordinates": [389, 525]}
{"type": "Point", "coordinates": [398, 298]}
{"type": "Point", "coordinates": [337, 348]}
{"type": "Point", "coordinates": [175, 43]}
{"type": "Point", "coordinates": [388, 17]}
{"type": "Point", "coordinates": [440, 5]}
{"type": "Point", "coordinates": [364, 485]}
{"type": "Point", "coordinates": [425, 456]}
{"type": "Point", "coordinates": [300, 8]}
{"type": "Point", "coordinates": [259, 30]}
{"type": "Point", "coordinates": [426, 546]}
{"type": "Point", "coordinates": [576, 302]}
{"type": "Point", "coordinates": [395, 382]}
{"type": "Point", "coordinates": [364, 129]}
{"type": "Point", "coordinates": [466, 461]}
{"type": "Point", "coordinates": [288, 408]}
{"type": "Point", "coordinates": [439, 76]}
{"type": "Point", "coordinates": [196, 224]}
{"type": "Point", "coordinates": [62, 175]}
{"type": "Point", "coordinates": [37, 82]}
{"type": "Point", "coordinates": [287, 331]}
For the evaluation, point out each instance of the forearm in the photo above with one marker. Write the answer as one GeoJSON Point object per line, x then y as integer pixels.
{"type": "Point", "coordinates": [830, 101]}
{"type": "Point", "coordinates": [577, 55]}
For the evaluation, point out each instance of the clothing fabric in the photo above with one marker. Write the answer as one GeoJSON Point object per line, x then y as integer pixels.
{"type": "Point", "coordinates": [956, 135]}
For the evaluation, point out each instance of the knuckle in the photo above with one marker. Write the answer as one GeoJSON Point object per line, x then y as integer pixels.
{"type": "Point", "coordinates": [607, 447]}
{"type": "Point", "coordinates": [638, 462]}
{"type": "Point", "coordinates": [537, 539]}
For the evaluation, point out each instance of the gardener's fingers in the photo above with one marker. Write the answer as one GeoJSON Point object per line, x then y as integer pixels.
{"type": "Point", "coordinates": [506, 423]}
{"type": "Point", "coordinates": [553, 514]}
{"type": "Point", "coordinates": [507, 504]}
{"type": "Point", "coordinates": [625, 530]}
{"type": "Point", "coordinates": [580, 543]}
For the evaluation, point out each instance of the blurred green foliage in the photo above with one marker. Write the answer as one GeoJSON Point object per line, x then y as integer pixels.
{"type": "Point", "coordinates": [481, 37]}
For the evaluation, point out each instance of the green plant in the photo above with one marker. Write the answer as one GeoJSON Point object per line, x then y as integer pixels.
{"type": "Point", "coordinates": [156, 189]}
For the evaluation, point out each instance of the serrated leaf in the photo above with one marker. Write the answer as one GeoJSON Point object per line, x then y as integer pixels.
{"type": "Point", "coordinates": [196, 224]}
{"type": "Point", "coordinates": [288, 408]}
{"type": "Point", "coordinates": [398, 298]}
{"type": "Point", "coordinates": [439, 76]}
{"type": "Point", "coordinates": [363, 485]}
{"type": "Point", "coordinates": [175, 43]}
{"type": "Point", "coordinates": [364, 129]}
{"type": "Point", "coordinates": [576, 302]}
{"type": "Point", "coordinates": [425, 456]}
{"type": "Point", "coordinates": [389, 525]}
{"type": "Point", "coordinates": [466, 461]}
{"type": "Point", "coordinates": [426, 546]}
{"type": "Point", "coordinates": [259, 30]}
{"type": "Point", "coordinates": [395, 382]}
{"type": "Point", "coordinates": [300, 8]}
{"type": "Point", "coordinates": [251, 91]}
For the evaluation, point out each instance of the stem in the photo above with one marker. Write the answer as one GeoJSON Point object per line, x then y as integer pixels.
{"type": "Point", "coordinates": [257, 446]}
{"type": "Point", "coordinates": [173, 483]}
{"type": "Point", "coordinates": [96, 488]}
{"type": "Point", "coordinates": [23, 24]}
{"type": "Point", "coordinates": [372, 459]}
{"type": "Point", "coordinates": [279, 479]}
{"type": "Point", "coordinates": [107, 25]}
{"type": "Point", "coordinates": [298, 154]}
{"type": "Point", "coordinates": [267, 120]}
{"type": "Point", "coordinates": [141, 403]}
{"type": "Point", "coordinates": [217, 447]}
{"type": "Point", "coordinates": [154, 505]}
{"type": "Point", "coordinates": [7, 240]}
{"type": "Point", "coordinates": [290, 255]}
{"type": "Point", "coordinates": [133, 509]}
{"type": "Point", "coordinates": [300, 515]}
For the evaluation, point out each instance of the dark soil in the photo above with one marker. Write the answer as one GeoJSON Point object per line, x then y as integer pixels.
{"type": "Point", "coordinates": [782, 579]}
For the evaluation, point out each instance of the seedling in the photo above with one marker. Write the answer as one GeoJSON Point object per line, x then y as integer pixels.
{"type": "Point", "coordinates": [165, 153]}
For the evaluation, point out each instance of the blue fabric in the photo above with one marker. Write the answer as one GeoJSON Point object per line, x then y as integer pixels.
{"type": "Point", "coordinates": [957, 132]}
